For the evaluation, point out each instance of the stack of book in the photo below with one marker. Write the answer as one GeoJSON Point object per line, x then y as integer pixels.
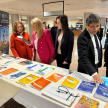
{"type": "Point", "coordinates": [102, 93]}
{"type": "Point", "coordinates": [70, 82]}
{"type": "Point", "coordinates": [86, 86]}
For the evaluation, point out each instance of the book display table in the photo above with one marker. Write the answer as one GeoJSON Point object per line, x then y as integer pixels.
{"type": "Point", "coordinates": [25, 91]}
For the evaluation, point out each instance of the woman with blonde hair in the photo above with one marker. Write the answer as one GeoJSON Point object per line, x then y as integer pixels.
{"type": "Point", "coordinates": [42, 45]}
{"type": "Point", "coordinates": [19, 47]}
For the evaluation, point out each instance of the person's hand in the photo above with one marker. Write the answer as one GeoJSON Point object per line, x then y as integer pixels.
{"type": "Point", "coordinates": [98, 79]}
{"type": "Point", "coordinates": [51, 60]}
{"type": "Point", "coordinates": [65, 62]}
{"type": "Point", "coordinates": [106, 32]}
{"type": "Point", "coordinates": [17, 58]}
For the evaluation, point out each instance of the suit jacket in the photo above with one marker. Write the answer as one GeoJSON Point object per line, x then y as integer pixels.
{"type": "Point", "coordinates": [19, 47]}
{"type": "Point", "coordinates": [106, 53]}
{"type": "Point", "coordinates": [100, 34]}
{"type": "Point", "coordinates": [53, 33]}
{"type": "Point", "coordinates": [45, 47]}
{"type": "Point", "coordinates": [86, 54]}
{"type": "Point", "coordinates": [66, 47]}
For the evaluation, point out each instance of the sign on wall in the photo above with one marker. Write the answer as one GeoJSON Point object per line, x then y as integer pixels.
{"type": "Point", "coordinates": [4, 32]}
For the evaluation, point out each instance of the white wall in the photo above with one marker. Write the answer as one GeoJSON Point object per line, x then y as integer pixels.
{"type": "Point", "coordinates": [72, 22]}
{"type": "Point", "coordinates": [48, 21]}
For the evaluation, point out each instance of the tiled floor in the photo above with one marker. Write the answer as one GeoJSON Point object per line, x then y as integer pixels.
{"type": "Point", "coordinates": [74, 64]}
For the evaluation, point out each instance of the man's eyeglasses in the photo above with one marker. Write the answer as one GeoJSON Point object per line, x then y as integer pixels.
{"type": "Point", "coordinates": [93, 27]}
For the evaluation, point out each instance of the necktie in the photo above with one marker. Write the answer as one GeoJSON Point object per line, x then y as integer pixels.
{"type": "Point", "coordinates": [97, 46]}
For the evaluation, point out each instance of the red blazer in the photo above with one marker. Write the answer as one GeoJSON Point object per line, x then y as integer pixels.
{"type": "Point", "coordinates": [45, 47]}
{"type": "Point", "coordinates": [19, 47]}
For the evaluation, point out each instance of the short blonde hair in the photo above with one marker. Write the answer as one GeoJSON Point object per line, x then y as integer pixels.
{"type": "Point", "coordinates": [15, 26]}
{"type": "Point", "coordinates": [37, 22]}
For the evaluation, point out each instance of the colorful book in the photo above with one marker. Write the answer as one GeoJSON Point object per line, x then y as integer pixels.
{"type": "Point", "coordinates": [102, 93]}
{"type": "Point", "coordinates": [16, 76]}
{"type": "Point", "coordinates": [28, 79]}
{"type": "Point", "coordinates": [55, 77]}
{"type": "Point", "coordinates": [86, 102]}
{"type": "Point", "coordinates": [2, 67]}
{"type": "Point", "coordinates": [26, 62]}
{"type": "Point", "coordinates": [106, 105]}
{"type": "Point", "coordinates": [105, 80]}
{"type": "Point", "coordinates": [8, 71]}
{"type": "Point", "coordinates": [70, 82]}
{"type": "Point", "coordinates": [45, 71]}
{"type": "Point", "coordinates": [40, 83]}
{"type": "Point", "coordinates": [34, 67]}
{"type": "Point", "coordinates": [86, 86]}
{"type": "Point", "coordinates": [7, 63]}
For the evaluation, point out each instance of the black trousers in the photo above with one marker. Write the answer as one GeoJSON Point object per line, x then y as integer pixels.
{"type": "Point", "coordinates": [106, 69]}
{"type": "Point", "coordinates": [60, 63]}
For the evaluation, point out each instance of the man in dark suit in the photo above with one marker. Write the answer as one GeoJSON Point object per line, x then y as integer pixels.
{"type": "Point", "coordinates": [106, 58]}
{"type": "Point", "coordinates": [89, 49]}
{"type": "Point", "coordinates": [53, 32]}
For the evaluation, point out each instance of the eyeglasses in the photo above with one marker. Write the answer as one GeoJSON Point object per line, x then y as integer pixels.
{"type": "Point", "coordinates": [93, 27]}
{"type": "Point", "coordinates": [64, 90]}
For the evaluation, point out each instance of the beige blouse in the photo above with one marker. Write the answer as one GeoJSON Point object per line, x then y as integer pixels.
{"type": "Point", "coordinates": [59, 41]}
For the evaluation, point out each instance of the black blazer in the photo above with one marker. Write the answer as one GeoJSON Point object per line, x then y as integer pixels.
{"type": "Point", "coordinates": [86, 60]}
{"type": "Point", "coordinates": [100, 34]}
{"type": "Point", "coordinates": [67, 44]}
{"type": "Point", "coordinates": [106, 53]}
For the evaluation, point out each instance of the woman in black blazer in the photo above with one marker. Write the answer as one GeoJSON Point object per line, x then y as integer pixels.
{"type": "Point", "coordinates": [64, 42]}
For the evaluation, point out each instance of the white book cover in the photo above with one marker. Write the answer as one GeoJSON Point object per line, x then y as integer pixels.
{"type": "Point", "coordinates": [34, 67]}
{"type": "Point", "coordinates": [45, 70]}
{"type": "Point", "coordinates": [60, 95]}
{"type": "Point", "coordinates": [6, 63]}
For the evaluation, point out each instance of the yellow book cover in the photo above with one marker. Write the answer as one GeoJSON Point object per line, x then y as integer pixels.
{"type": "Point", "coordinates": [86, 102]}
{"type": "Point", "coordinates": [28, 79]}
{"type": "Point", "coordinates": [70, 82]}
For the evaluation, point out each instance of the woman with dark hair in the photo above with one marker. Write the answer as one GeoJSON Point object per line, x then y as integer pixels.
{"type": "Point", "coordinates": [19, 47]}
{"type": "Point", "coordinates": [64, 42]}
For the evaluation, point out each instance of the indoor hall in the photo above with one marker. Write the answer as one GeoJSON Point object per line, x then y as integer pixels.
{"type": "Point", "coordinates": [76, 11]}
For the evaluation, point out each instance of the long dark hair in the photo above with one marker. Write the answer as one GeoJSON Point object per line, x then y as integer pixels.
{"type": "Point", "coordinates": [64, 23]}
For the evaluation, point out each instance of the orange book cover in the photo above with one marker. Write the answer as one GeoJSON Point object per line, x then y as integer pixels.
{"type": "Point", "coordinates": [8, 71]}
{"type": "Point", "coordinates": [40, 83]}
{"type": "Point", "coordinates": [86, 102]}
{"type": "Point", "coordinates": [55, 77]}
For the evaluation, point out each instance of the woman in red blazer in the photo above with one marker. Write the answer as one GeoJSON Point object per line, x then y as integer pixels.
{"type": "Point", "coordinates": [42, 45]}
{"type": "Point", "coordinates": [18, 47]}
